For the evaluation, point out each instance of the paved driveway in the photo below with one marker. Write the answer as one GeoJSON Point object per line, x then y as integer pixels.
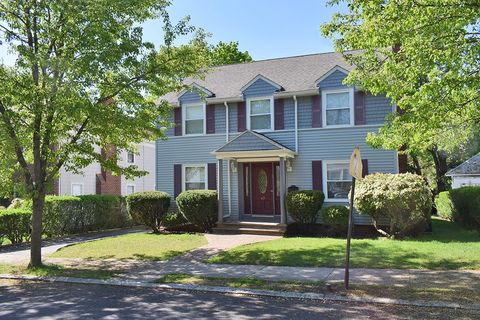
{"type": "Point", "coordinates": [61, 301]}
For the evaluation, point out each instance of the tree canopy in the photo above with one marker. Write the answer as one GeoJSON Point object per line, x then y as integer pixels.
{"type": "Point", "coordinates": [425, 56]}
{"type": "Point", "coordinates": [228, 53]}
{"type": "Point", "coordinates": [84, 77]}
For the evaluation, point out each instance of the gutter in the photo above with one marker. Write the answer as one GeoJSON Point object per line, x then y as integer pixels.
{"type": "Point", "coordinates": [296, 123]}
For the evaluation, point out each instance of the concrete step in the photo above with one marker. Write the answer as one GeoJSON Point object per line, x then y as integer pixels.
{"type": "Point", "coordinates": [243, 227]}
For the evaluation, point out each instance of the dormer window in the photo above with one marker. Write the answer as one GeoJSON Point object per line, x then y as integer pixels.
{"type": "Point", "coordinates": [338, 110]}
{"type": "Point", "coordinates": [194, 119]}
{"type": "Point", "coordinates": [260, 112]}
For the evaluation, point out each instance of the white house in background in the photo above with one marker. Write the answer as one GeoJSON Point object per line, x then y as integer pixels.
{"type": "Point", "coordinates": [466, 174]}
{"type": "Point", "coordinates": [94, 180]}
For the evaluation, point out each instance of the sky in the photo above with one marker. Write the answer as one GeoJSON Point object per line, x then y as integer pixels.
{"type": "Point", "coordinates": [265, 28]}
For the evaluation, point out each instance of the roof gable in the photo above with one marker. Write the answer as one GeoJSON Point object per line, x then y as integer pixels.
{"type": "Point", "coordinates": [251, 141]}
{"type": "Point", "coordinates": [469, 167]}
{"type": "Point", "coordinates": [335, 71]}
{"type": "Point", "coordinates": [197, 90]}
{"type": "Point", "coordinates": [259, 79]}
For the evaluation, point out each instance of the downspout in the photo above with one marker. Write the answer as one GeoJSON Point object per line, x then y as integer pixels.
{"type": "Point", "coordinates": [227, 129]}
{"type": "Point", "coordinates": [296, 123]}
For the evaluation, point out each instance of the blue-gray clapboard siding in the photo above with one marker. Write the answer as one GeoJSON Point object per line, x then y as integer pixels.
{"type": "Point", "coordinates": [288, 114]}
{"type": "Point", "coordinates": [304, 111]}
{"type": "Point", "coordinates": [189, 97]}
{"type": "Point", "coordinates": [259, 88]}
{"type": "Point", "coordinates": [220, 118]}
{"type": "Point", "coordinates": [334, 80]}
{"type": "Point", "coordinates": [377, 108]}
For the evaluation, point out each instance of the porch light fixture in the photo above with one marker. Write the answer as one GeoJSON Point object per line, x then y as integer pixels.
{"type": "Point", "coordinates": [289, 165]}
{"type": "Point", "coordinates": [233, 166]}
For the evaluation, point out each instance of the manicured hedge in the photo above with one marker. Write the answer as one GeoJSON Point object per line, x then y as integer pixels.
{"type": "Point", "coordinates": [15, 224]}
{"type": "Point", "coordinates": [461, 205]}
{"type": "Point", "coordinates": [445, 207]}
{"type": "Point", "coordinates": [336, 218]}
{"type": "Point", "coordinates": [403, 199]}
{"type": "Point", "coordinates": [65, 215]}
{"type": "Point", "coordinates": [149, 208]}
{"type": "Point", "coordinates": [200, 207]}
{"type": "Point", "coordinates": [304, 205]}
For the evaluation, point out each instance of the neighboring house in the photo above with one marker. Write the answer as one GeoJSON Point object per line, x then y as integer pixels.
{"type": "Point", "coordinates": [252, 130]}
{"type": "Point", "coordinates": [95, 180]}
{"type": "Point", "coordinates": [466, 174]}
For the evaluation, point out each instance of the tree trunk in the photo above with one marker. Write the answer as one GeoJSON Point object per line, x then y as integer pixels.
{"type": "Point", "coordinates": [441, 168]}
{"type": "Point", "coordinates": [416, 165]}
{"type": "Point", "coordinates": [38, 200]}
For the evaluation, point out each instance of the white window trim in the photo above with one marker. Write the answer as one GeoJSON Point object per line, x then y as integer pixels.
{"type": "Point", "coordinates": [184, 118]}
{"type": "Point", "coordinates": [272, 117]}
{"type": "Point", "coordinates": [134, 157]}
{"type": "Point", "coordinates": [204, 165]}
{"type": "Point", "coordinates": [324, 178]}
{"type": "Point", "coordinates": [324, 107]}
{"type": "Point", "coordinates": [78, 184]}
{"type": "Point", "coordinates": [130, 185]}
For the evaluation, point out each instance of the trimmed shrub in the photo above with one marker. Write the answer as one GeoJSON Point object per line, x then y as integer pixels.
{"type": "Point", "coordinates": [303, 206]}
{"type": "Point", "coordinates": [444, 206]}
{"type": "Point", "coordinates": [149, 208]}
{"type": "Point", "coordinates": [64, 215]}
{"type": "Point", "coordinates": [466, 204]}
{"type": "Point", "coordinates": [200, 207]}
{"type": "Point", "coordinates": [336, 218]}
{"type": "Point", "coordinates": [402, 199]}
{"type": "Point", "coordinates": [15, 224]}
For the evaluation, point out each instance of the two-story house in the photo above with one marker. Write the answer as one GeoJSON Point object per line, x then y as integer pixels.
{"type": "Point", "coordinates": [252, 130]}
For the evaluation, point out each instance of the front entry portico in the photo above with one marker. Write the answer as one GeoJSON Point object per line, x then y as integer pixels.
{"type": "Point", "coordinates": [262, 163]}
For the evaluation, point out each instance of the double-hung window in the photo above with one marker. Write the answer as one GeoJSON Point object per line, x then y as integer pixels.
{"type": "Point", "coordinates": [195, 177]}
{"type": "Point", "coordinates": [77, 189]}
{"type": "Point", "coordinates": [130, 189]}
{"type": "Point", "coordinates": [338, 110]}
{"type": "Point", "coordinates": [260, 113]}
{"type": "Point", "coordinates": [339, 181]}
{"type": "Point", "coordinates": [130, 157]}
{"type": "Point", "coordinates": [194, 119]}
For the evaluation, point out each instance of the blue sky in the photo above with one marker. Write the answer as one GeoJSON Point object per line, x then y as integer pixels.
{"type": "Point", "coordinates": [265, 28]}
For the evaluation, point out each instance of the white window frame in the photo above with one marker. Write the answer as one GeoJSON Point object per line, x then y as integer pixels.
{"type": "Point", "coordinates": [272, 117]}
{"type": "Point", "coordinates": [77, 184]}
{"type": "Point", "coordinates": [325, 180]}
{"type": "Point", "coordinates": [201, 165]}
{"type": "Point", "coordinates": [127, 186]}
{"type": "Point", "coordinates": [350, 92]}
{"type": "Point", "coordinates": [184, 118]}
{"type": "Point", "coordinates": [134, 156]}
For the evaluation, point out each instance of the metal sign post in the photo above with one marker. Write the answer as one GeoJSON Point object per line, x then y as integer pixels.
{"type": "Point", "coordinates": [355, 171]}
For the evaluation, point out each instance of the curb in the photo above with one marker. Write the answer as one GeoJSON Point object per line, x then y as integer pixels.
{"type": "Point", "coordinates": [248, 292]}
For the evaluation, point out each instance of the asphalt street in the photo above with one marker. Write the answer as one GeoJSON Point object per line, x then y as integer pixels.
{"type": "Point", "coordinates": [40, 300]}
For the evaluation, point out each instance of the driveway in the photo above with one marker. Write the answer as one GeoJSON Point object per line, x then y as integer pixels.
{"type": "Point", "coordinates": [39, 300]}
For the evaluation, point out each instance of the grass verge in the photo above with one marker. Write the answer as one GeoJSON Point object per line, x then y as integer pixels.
{"type": "Point", "coordinates": [52, 270]}
{"type": "Point", "coordinates": [143, 246]}
{"type": "Point", "coordinates": [459, 295]}
{"type": "Point", "coordinates": [449, 247]}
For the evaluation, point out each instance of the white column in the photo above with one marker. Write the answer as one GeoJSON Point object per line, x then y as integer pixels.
{"type": "Point", "coordinates": [283, 211]}
{"type": "Point", "coordinates": [220, 190]}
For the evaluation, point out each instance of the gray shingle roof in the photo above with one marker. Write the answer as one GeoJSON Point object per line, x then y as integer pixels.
{"type": "Point", "coordinates": [292, 73]}
{"type": "Point", "coordinates": [251, 141]}
{"type": "Point", "coordinates": [471, 166]}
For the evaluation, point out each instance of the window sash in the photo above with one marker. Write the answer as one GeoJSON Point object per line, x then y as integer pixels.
{"type": "Point", "coordinates": [197, 180]}
{"type": "Point", "coordinates": [255, 114]}
{"type": "Point", "coordinates": [344, 179]}
{"type": "Point", "coordinates": [338, 109]}
{"type": "Point", "coordinates": [194, 122]}
{"type": "Point", "coordinates": [130, 157]}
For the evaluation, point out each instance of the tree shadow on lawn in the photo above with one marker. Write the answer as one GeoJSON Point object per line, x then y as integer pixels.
{"type": "Point", "coordinates": [363, 255]}
{"type": "Point", "coordinates": [167, 255]}
{"type": "Point", "coordinates": [447, 231]}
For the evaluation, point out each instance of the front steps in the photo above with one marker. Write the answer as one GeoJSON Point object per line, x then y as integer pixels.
{"type": "Point", "coordinates": [244, 227]}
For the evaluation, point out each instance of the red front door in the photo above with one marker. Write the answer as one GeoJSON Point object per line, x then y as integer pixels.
{"type": "Point", "coordinates": [262, 188]}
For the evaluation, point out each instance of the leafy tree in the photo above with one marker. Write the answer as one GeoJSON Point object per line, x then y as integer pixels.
{"type": "Point", "coordinates": [424, 55]}
{"type": "Point", "coordinates": [83, 77]}
{"type": "Point", "coordinates": [228, 53]}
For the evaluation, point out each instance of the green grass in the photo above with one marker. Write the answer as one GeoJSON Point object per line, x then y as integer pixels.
{"type": "Point", "coordinates": [142, 246]}
{"type": "Point", "coordinates": [51, 270]}
{"type": "Point", "coordinates": [463, 293]}
{"type": "Point", "coordinates": [449, 247]}
{"type": "Point", "coordinates": [244, 283]}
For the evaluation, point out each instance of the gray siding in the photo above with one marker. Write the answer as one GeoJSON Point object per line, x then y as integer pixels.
{"type": "Point", "coordinates": [190, 97]}
{"type": "Point", "coordinates": [285, 138]}
{"type": "Point", "coordinates": [304, 112]}
{"type": "Point", "coordinates": [377, 108]}
{"type": "Point", "coordinates": [259, 88]}
{"type": "Point", "coordinates": [171, 130]}
{"type": "Point", "coordinates": [220, 119]}
{"type": "Point", "coordinates": [232, 117]}
{"type": "Point", "coordinates": [248, 142]}
{"type": "Point", "coordinates": [334, 80]}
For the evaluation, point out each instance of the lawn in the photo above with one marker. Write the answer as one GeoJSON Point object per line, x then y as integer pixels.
{"type": "Point", "coordinates": [51, 270]}
{"type": "Point", "coordinates": [450, 246]}
{"type": "Point", "coordinates": [142, 246]}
